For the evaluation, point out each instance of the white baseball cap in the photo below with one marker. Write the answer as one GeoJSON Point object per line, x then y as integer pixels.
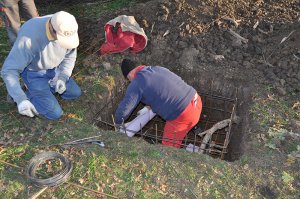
{"type": "Point", "coordinates": [66, 28]}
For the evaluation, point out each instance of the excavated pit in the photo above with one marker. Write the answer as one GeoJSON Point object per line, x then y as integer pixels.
{"type": "Point", "coordinates": [221, 100]}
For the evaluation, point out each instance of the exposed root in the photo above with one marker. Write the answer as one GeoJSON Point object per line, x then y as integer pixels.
{"type": "Point", "coordinates": [235, 22]}
{"type": "Point", "coordinates": [208, 133]}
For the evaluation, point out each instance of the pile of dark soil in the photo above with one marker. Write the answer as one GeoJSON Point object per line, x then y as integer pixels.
{"type": "Point", "coordinates": [195, 35]}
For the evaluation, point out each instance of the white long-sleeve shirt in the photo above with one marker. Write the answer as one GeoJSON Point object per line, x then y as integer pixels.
{"type": "Point", "coordinates": [34, 50]}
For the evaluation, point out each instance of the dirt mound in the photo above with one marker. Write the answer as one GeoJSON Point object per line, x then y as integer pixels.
{"type": "Point", "coordinates": [196, 35]}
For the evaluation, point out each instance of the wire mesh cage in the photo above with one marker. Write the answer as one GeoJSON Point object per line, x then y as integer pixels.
{"type": "Point", "coordinates": [215, 108]}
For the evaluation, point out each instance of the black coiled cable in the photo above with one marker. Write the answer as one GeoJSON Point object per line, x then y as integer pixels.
{"type": "Point", "coordinates": [53, 181]}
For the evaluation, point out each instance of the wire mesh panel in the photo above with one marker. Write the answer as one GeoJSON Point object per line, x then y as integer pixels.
{"type": "Point", "coordinates": [215, 108]}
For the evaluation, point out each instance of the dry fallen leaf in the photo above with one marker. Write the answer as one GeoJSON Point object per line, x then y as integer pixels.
{"type": "Point", "coordinates": [81, 180]}
{"type": "Point", "coordinates": [290, 160]}
{"type": "Point", "coordinates": [296, 105]}
{"type": "Point", "coordinates": [1, 148]}
{"type": "Point", "coordinates": [163, 187]}
{"type": "Point", "coordinates": [271, 97]}
{"type": "Point", "coordinates": [72, 115]}
{"type": "Point", "coordinates": [99, 188]}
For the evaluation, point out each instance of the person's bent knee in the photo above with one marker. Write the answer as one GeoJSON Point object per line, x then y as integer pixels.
{"type": "Point", "coordinates": [72, 94]}
{"type": "Point", "coordinates": [76, 93]}
{"type": "Point", "coordinates": [55, 114]}
{"type": "Point", "coordinates": [73, 90]}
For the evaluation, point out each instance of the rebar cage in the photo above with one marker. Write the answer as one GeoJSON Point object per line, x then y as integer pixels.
{"type": "Point", "coordinates": [215, 108]}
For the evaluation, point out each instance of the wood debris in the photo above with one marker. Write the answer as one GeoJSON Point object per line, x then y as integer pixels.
{"type": "Point", "coordinates": [267, 32]}
{"type": "Point", "coordinates": [181, 24]}
{"type": "Point", "coordinates": [235, 22]}
{"type": "Point", "coordinates": [255, 25]}
{"type": "Point", "coordinates": [298, 58]}
{"type": "Point", "coordinates": [219, 57]}
{"type": "Point", "coordinates": [152, 27]}
{"type": "Point", "coordinates": [285, 38]}
{"type": "Point", "coordinates": [166, 33]}
{"type": "Point", "coordinates": [239, 37]}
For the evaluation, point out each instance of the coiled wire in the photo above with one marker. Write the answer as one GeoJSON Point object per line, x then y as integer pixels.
{"type": "Point", "coordinates": [53, 181]}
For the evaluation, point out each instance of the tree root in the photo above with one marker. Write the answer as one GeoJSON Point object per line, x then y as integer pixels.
{"type": "Point", "coordinates": [208, 133]}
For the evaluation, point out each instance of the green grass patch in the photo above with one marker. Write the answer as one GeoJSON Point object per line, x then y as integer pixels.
{"type": "Point", "coordinates": [86, 10]}
{"type": "Point", "coordinates": [273, 111]}
{"type": "Point", "coordinates": [98, 8]}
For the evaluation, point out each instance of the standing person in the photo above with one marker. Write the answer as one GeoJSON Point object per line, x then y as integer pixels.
{"type": "Point", "coordinates": [44, 54]}
{"type": "Point", "coordinates": [166, 94]}
{"type": "Point", "coordinates": [13, 11]}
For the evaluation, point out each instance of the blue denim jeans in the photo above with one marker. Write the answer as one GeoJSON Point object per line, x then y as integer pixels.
{"type": "Point", "coordinates": [41, 94]}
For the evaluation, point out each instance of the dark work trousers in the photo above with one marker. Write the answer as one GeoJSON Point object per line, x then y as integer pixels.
{"type": "Point", "coordinates": [12, 11]}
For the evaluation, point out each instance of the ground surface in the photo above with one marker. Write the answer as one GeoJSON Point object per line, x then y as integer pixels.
{"type": "Point", "coordinates": [199, 36]}
{"type": "Point", "coordinates": [265, 67]}
{"type": "Point", "coordinates": [193, 38]}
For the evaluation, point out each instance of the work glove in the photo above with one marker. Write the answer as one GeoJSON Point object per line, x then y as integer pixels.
{"type": "Point", "coordinates": [60, 86]}
{"type": "Point", "coordinates": [27, 108]}
{"type": "Point", "coordinates": [120, 128]}
{"type": "Point", "coordinates": [143, 110]}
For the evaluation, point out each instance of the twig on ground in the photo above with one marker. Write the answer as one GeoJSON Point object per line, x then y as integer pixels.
{"type": "Point", "coordinates": [239, 37]}
{"type": "Point", "coordinates": [166, 33]}
{"type": "Point", "coordinates": [181, 24]}
{"type": "Point", "coordinates": [113, 119]}
{"type": "Point", "coordinates": [91, 190]}
{"type": "Point", "coordinates": [152, 27]}
{"type": "Point", "coordinates": [255, 25]}
{"type": "Point", "coordinates": [263, 32]}
{"type": "Point", "coordinates": [36, 195]}
{"type": "Point", "coordinates": [267, 63]}
{"type": "Point", "coordinates": [285, 38]}
{"type": "Point", "coordinates": [219, 57]}
{"type": "Point", "coordinates": [267, 32]}
{"type": "Point", "coordinates": [235, 22]}
{"type": "Point", "coordinates": [298, 58]}
{"type": "Point", "coordinates": [9, 164]}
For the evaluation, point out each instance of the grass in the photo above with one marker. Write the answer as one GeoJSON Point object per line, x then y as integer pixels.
{"type": "Point", "coordinates": [272, 111]}
{"type": "Point", "coordinates": [131, 168]}
{"type": "Point", "coordinates": [276, 115]}
{"type": "Point", "coordinates": [87, 10]}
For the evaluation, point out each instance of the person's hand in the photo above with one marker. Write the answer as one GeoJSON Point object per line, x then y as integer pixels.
{"type": "Point", "coordinates": [120, 128]}
{"type": "Point", "coordinates": [143, 110]}
{"type": "Point", "coordinates": [27, 108]}
{"type": "Point", "coordinates": [60, 86]}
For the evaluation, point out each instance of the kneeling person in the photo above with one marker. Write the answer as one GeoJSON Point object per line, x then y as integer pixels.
{"type": "Point", "coordinates": [44, 54]}
{"type": "Point", "coordinates": [166, 94]}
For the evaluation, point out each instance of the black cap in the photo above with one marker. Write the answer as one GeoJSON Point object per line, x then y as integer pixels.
{"type": "Point", "coordinates": [126, 66]}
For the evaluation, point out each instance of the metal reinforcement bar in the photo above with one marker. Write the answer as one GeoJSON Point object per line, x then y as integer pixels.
{"type": "Point", "coordinates": [215, 108]}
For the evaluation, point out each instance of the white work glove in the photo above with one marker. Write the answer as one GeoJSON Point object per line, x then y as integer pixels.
{"type": "Point", "coordinates": [143, 110]}
{"type": "Point", "coordinates": [60, 86]}
{"type": "Point", "coordinates": [27, 108]}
